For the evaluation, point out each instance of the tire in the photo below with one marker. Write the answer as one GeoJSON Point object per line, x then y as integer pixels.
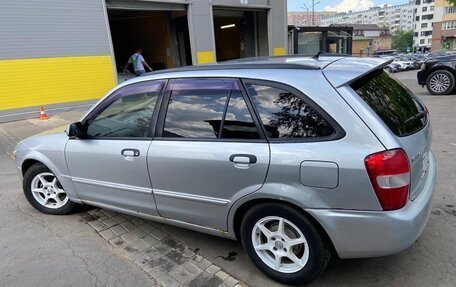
{"type": "Point", "coordinates": [440, 82]}
{"type": "Point", "coordinates": [264, 244]}
{"type": "Point", "coordinates": [44, 192]}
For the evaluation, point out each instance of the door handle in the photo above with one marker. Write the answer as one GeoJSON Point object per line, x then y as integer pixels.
{"type": "Point", "coordinates": [243, 159]}
{"type": "Point", "coordinates": [130, 152]}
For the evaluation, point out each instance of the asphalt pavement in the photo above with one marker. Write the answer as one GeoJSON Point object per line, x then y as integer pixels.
{"type": "Point", "coordinates": [41, 250]}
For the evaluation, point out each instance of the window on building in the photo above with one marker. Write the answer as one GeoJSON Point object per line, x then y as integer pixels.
{"type": "Point", "coordinates": [424, 9]}
{"type": "Point", "coordinates": [450, 10]}
{"type": "Point", "coordinates": [424, 25]}
{"type": "Point", "coordinates": [422, 41]}
{"type": "Point", "coordinates": [449, 25]}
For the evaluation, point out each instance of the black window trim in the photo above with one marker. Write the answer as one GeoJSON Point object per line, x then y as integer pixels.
{"type": "Point", "coordinates": [338, 134]}
{"type": "Point", "coordinates": [114, 96]}
{"type": "Point", "coordinates": [160, 122]}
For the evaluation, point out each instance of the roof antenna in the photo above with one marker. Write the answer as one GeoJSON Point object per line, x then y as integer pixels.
{"type": "Point", "coordinates": [317, 55]}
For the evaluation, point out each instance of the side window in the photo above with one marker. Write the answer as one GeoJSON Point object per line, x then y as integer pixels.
{"type": "Point", "coordinates": [285, 115]}
{"type": "Point", "coordinates": [196, 107]}
{"type": "Point", "coordinates": [129, 115]}
{"type": "Point", "coordinates": [238, 123]}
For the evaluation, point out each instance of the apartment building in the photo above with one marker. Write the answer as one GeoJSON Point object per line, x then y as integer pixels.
{"type": "Point", "coordinates": [394, 17]}
{"type": "Point", "coordinates": [424, 17]}
{"type": "Point", "coordinates": [307, 18]}
{"type": "Point", "coordinates": [444, 27]}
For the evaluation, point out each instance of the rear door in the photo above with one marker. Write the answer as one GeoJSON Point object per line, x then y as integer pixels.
{"type": "Point", "coordinates": [208, 151]}
{"type": "Point", "coordinates": [406, 117]}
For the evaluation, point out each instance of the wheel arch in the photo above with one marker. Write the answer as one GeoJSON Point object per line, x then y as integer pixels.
{"type": "Point", "coordinates": [28, 163]}
{"type": "Point", "coordinates": [442, 68]}
{"type": "Point", "coordinates": [37, 157]}
{"type": "Point", "coordinates": [245, 206]}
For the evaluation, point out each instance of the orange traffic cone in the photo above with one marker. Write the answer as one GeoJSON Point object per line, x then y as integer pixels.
{"type": "Point", "coordinates": [43, 115]}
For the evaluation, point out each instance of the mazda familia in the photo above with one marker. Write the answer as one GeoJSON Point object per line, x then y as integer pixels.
{"type": "Point", "coordinates": [299, 158]}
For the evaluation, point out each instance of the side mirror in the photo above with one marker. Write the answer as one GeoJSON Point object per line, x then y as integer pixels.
{"type": "Point", "coordinates": [75, 130]}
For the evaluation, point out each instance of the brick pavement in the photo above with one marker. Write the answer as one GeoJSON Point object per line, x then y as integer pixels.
{"type": "Point", "coordinates": [163, 256]}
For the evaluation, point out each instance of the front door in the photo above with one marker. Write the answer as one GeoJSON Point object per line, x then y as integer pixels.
{"type": "Point", "coordinates": [108, 166]}
{"type": "Point", "coordinates": [207, 153]}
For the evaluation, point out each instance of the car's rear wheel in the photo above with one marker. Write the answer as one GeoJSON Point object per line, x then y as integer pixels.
{"type": "Point", "coordinates": [44, 191]}
{"type": "Point", "coordinates": [284, 244]}
{"type": "Point", "coordinates": [440, 83]}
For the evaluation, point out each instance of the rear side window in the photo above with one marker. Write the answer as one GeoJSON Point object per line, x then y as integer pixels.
{"type": "Point", "coordinates": [399, 109]}
{"type": "Point", "coordinates": [287, 116]}
{"type": "Point", "coordinates": [238, 123]}
{"type": "Point", "coordinates": [195, 106]}
{"type": "Point", "coordinates": [206, 108]}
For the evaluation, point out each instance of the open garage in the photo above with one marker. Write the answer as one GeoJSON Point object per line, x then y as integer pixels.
{"type": "Point", "coordinates": [72, 53]}
{"type": "Point", "coordinates": [240, 33]}
{"type": "Point", "coordinates": [160, 30]}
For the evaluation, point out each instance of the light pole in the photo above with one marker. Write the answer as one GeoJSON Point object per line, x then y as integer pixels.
{"type": "Point", "coordinates": [313, 11]}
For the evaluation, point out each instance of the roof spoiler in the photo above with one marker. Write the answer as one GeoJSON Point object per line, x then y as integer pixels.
{"type": "Point", "coordinates": [348, 70]}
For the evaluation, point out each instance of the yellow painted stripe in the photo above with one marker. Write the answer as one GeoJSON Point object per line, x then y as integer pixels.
{"type": "Point", "coordinates": [205, 57]}
{"type": "Point", "coordinates": [279, 51]}
{"type": "Point", "coordinates": [44, 81]}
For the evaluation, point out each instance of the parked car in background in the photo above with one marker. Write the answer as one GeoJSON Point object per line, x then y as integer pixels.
{"type": "Point", "coordinates": [438, 74]}
{"type": "Point", "coordinates": [393, 67]}
{"type": "Point", "coordinates": [293, 156]}
{"type": "Point", "coordinates": [406, 63]}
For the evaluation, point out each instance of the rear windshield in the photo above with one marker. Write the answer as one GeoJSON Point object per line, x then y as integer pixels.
{"type": "Point", "coordinates": [401, 111]}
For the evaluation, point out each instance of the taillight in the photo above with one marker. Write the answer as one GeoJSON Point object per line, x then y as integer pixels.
{"type": "Point", "coordinates": [389, 173]}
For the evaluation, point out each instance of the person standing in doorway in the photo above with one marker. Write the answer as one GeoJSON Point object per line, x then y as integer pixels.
{"type": "Point", "coordinates": [138, 63]}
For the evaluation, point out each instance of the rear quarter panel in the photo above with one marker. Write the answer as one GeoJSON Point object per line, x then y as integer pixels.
{"type": "Point", "coordinates": [354, 190]}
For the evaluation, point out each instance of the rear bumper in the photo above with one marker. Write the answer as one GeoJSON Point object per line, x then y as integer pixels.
{"type": "Point", "coordinates": [357, 234]}
{"type": "Point", "coordinates": [421, 76]}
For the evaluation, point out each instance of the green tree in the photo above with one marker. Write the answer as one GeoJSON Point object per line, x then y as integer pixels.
{"type": "Point", "coordinates": [452, 2]}
{"type": "Point", "coordinates": [402, 39]}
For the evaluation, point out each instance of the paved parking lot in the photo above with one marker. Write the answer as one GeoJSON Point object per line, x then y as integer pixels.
{"type": "Point", "coordinates": [42, 250]}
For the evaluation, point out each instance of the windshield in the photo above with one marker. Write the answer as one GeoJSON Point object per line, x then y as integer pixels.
{"type": "Point", "coordinates": [399, 109]}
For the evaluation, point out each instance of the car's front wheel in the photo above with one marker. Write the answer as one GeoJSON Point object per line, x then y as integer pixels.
{"type": "Point", "coordinates": [284, 243]}
{"type": "Point", "coordinates": [440, 83]}
{"type": "Point", "coordinates": [44, 191]}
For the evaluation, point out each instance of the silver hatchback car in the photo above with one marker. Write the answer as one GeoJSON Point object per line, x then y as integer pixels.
{"type": "Point", "coordinates": [297, 157]}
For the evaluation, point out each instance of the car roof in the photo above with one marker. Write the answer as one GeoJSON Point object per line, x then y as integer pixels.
{"type": "Point", "coordinates": [338, 69]}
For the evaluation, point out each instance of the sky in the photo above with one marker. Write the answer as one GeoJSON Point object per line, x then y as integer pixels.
{"type": "Point", "coordinates": [339, 5]}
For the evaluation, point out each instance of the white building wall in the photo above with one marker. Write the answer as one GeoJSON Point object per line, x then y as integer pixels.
{"type": "Point", "coordinates": [424, 16]}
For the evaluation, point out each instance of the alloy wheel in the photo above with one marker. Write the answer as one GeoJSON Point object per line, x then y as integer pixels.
{"type": "Point", "coordinates": [280, 244]}
{"type": "Point", "coordinates": [439, 83]}
{"type": "Point", "coordinates": [47, 191]}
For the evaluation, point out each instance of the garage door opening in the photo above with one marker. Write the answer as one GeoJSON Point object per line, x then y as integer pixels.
{"type": "Point", "coordinates": [240, 33]}
{"type": "Point", "coordinates": [162, 35]}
